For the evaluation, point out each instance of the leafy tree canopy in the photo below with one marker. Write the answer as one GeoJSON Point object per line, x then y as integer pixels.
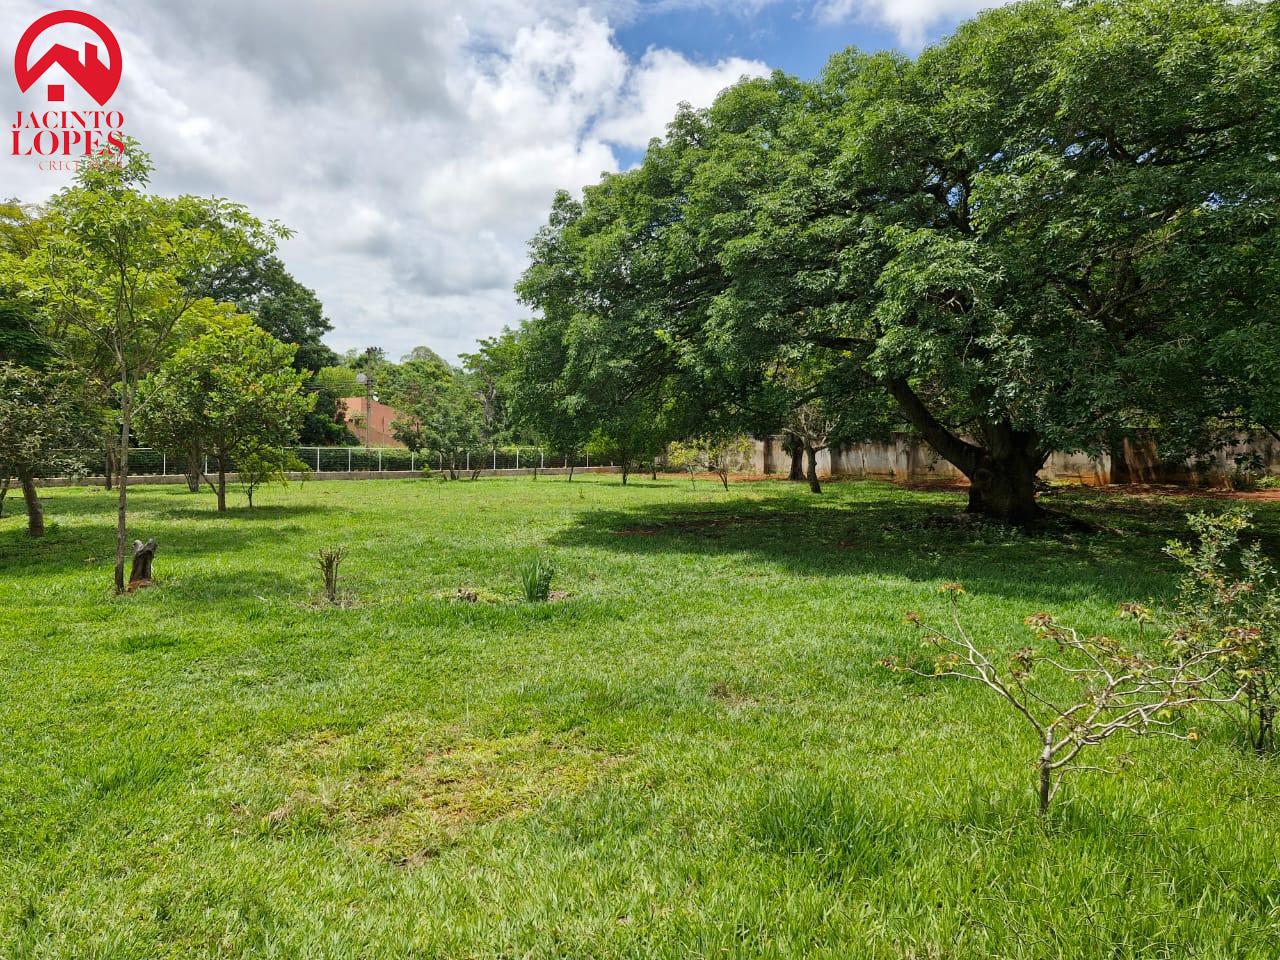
{"type": "Point", "coordinates": [1057, 224]}
{"type": "Point", "coordinates": [260, 286]}
{"type": "Point", "coordinates": [233, 386]}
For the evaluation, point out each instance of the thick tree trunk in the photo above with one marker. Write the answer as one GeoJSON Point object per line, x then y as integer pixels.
{"type": "Point", "coordinates": [797, 462]}
{"type": "Point", "coordinates": [1005, 489]}
{"type": "Point", "coordinates": [4, 491]}
{"type": "Point", "coordinates": [122, 511]}
{"type": "Point", "coordinates": [35, 509]}
{"type": "Point", "coordinates": [626, 472]}
{"type": "Point", "coordinates": [811, 456]}
{"type": "Point", "coordinates": [571, 465]}
{"type": "Point", "coordinates": [1002, 472]}
{"type": "Point", "coordinates": [195, 469]}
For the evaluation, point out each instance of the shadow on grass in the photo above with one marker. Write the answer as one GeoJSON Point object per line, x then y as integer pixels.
{"type": "Point", "coordinates": [867, 528]}
{"type": "Point", "coordinates": [81, 531]}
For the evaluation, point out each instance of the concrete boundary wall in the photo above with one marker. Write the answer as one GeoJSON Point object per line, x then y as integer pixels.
{"type": "Point", "coordinates": [158, 480]}
{"type": "Point", "coordinates": [908, 459]}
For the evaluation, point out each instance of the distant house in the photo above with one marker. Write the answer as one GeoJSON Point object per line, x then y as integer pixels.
{"type": "Point", "coordinates": [371, 431]}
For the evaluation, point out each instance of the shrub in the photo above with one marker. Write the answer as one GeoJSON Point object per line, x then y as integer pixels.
{"type": "Point", "coordinates": [535, 579]}
{"type": "Point", "coordinates": [1229, 603]}
{"type": "Point", "coordinates": [1115, 690]}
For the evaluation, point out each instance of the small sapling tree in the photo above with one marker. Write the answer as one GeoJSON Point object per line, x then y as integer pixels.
{"type": "Point", "coordinates": [720, 455]}
{"type": "Point", "coordinates": [687, 455]}
{"type": "Point", "coordinates": [1229, 603]}
{"type": "Point", "coordinates": [108, 277]}
{"type": "Point", "coordinates": [258, 465]}
{"type": "Point", "coordinates": [329, 560]}
{"type": "Point", "coordinates": [1113, 690]}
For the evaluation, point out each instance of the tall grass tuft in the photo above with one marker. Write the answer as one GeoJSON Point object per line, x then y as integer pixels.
{"type": "Point", "coordinates": [536, 575]}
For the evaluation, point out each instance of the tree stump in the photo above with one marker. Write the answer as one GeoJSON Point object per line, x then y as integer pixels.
{"type": "Point", "coordinates": [140, 571]}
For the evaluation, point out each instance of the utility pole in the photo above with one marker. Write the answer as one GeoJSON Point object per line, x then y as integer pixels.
{"type": "Point", "coordinates": [366, 380]}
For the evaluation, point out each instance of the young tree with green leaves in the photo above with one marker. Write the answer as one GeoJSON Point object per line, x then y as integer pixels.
{"type": "Point", "coordinates": [232, 388]}
{"type": "Point", "coordinates": [258, 464]}
{"type": "Point", "coordinates": [112, 275]}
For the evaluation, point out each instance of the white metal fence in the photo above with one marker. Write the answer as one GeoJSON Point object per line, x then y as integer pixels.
{"type": "Point", "coordinates": [150, 462]}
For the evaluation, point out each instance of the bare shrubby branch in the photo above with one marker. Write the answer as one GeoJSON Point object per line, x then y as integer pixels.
{"type": "Point", "coordinates": [1116, 690]}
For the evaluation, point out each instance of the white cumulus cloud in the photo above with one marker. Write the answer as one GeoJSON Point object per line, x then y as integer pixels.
{"type": "Point", "coordinates": [910, 19]}
{"type": "Point", "coordinates": [413, 146]}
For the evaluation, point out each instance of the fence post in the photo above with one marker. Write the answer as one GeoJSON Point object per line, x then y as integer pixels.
{"type": "Point", "coordinates": [588, 466]}
{"type": "Point", "coordinates": [348, 459]}
{"type": "Point", "coordinates": [317, 459]}
{"type": "Point", "coordinates": [379, 461]}
{"type": "Point", "coordinates": [542, 459]}
{"type": "Point", "coordinates": [468, 461]}
{"type": "Point", "coordinates": [517, 458]}
{"type": "Point", "coordinates": [495, 458]}
{"type": "Point", "coordinates": [412, 457]}
{"type": "Point", "coordinates": [206, 464]}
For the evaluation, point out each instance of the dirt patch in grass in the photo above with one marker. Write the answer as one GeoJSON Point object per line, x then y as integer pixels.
{"type": "Point", "coordinates": [405, 801]}
{"type": "Point", "coordinates": [732, 698]}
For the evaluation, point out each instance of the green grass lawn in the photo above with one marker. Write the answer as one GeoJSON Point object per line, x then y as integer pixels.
{"type": "Point", "coordinates": [693, 754]}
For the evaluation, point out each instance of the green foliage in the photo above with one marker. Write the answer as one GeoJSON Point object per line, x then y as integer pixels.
{"type": "Point", "coordinates": [1229, 603]}
{"type": "Point", "coordinates": [22, 338]}
{"type": "Point", "coordinates": [687, 455]}
{"type": "Point", "coordinates": [325, 424]}
{"type": "Point", "coordinates": [110, 280]}
{"type": "Point", "coordinates": [258, 464]}
{"type": "Point", "coordinates": [231, 388]}
{"type": "Point", "coordinates": [339, 381]}
{"type": "Point", "coordinates": [259, 286]}
{"type": "Point", "coordinates": [493, 370]}
{"type": "Point", "coordinates": [1056, 224]}
{"type": "Point", "coordinates": [46, 419]}
{"type": "Point", "coordinates": [440, 410]}
{"type": "Point", "coordinates": [536, 575]}
{"type": "Point", "coordinates": [720, 455]}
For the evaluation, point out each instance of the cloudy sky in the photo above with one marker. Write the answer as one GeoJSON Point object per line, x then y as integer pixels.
{"type": "Point", "coordinates": [415, 145]}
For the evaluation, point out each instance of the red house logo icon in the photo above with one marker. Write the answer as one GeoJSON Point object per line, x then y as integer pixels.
{"type": "Point", "coordinates": [99, 80]}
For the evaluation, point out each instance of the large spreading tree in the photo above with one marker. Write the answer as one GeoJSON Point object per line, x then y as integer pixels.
{"type": "Point", "coordinates": [1056, 225]}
